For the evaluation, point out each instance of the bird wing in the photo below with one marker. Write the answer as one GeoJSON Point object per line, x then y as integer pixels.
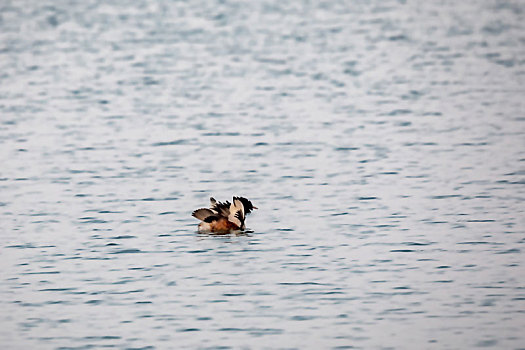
{"type": "Point", "coordinates": [222, 209]}
{"type": "Point", "coordinates": [202, 213]}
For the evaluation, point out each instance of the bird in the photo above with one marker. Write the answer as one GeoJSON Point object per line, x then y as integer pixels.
{"type": "Point", "coordinates": [224, 217]}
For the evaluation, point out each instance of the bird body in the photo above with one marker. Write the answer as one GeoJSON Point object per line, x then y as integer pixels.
{"type": "Point", "coordinates": [220, 225]}
{"type": "Point", "coordinates": [224, 217]}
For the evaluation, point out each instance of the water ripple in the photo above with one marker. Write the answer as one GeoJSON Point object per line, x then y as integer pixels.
{"type": "Point", "coordinates": [381, 140]}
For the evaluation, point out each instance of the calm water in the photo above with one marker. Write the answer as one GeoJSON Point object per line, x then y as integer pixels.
{"type": "Point", "coordinates": [383, 142]}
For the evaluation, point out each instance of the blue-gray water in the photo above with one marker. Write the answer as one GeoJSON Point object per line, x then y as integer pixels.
{"type": "Point", "coordinates": [383, 142]}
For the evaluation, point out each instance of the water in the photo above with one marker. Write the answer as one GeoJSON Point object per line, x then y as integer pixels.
{"type": "Point", "coordinates": [383, 142]}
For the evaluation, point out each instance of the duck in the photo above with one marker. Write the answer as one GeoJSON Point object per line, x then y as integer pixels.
{"type": "Point", "coordinates": [224, 217]}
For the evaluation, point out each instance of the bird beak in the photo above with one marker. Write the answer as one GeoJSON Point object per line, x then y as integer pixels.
{"type": "Point", "coordinates": [255, 207]}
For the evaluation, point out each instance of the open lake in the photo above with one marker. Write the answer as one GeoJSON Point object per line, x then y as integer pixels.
{"type": "Point", "coordinates": [382, 141]}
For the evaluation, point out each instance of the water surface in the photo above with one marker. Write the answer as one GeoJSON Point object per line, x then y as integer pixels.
{"type": "Point", "coordinates": [383, 141]}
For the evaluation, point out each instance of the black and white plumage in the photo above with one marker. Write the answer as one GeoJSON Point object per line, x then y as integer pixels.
{"type": "Point", "coordinates": [224, 216]}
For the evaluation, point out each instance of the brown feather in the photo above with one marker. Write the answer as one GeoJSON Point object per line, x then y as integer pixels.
{"type": "Point", "coordinates": [223, 225]}
{"type": "Point", "coordinates": [202, 213]}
